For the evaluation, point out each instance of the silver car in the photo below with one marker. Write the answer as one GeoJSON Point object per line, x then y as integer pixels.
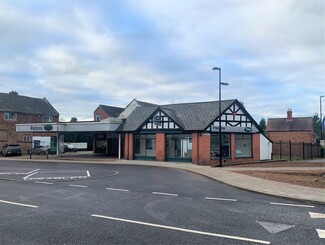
{"type": "Point", "coordinates": [11, 150]}
{"type": "Point", "coordinates": [39, 150]}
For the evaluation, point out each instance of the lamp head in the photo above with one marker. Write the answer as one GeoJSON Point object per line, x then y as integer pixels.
{"type": "Point", "coordinates": [216, 68]}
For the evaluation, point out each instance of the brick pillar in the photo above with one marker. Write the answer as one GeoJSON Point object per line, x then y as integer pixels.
{"type": "Point", "coordinates": [195, 148]}
{"type": "Point", "coordinates": [204, 149]}
{"type": "Point", "coordinates": [160, 147]}
{"type": "Point", "coordinates": [256, 147]}
{"type": "Point", "coordinates": [131, 149]}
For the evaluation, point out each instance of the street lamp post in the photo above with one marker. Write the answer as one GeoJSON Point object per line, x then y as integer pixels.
{"type": "Point", "coordinates": [220, 140]}
{"type": "Point", "coordinates": [321, 122]}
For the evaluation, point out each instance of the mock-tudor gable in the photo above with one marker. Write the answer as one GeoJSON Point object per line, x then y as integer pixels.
{"type": "Point", "coordinates": [235, 119]}
{"type": "Point", "coordinates": [162, 120]}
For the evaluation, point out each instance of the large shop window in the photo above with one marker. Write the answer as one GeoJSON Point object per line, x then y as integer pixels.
{"type": "Point", "coordinates": [215, 148]}
{"type": "Point", "coordinates": [179, 147]}
{"type": "Point", "coordinates": [243, 145]}
{"type": "Point", "coordinates": [145, 145]}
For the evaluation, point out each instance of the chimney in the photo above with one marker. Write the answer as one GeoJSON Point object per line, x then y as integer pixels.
{"type": "Point", "coordinates": [13, 93]}
{"type": "Point", "coordinates": [289, 115]}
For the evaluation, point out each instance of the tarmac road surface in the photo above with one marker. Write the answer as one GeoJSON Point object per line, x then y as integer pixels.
{"type": "Point", "coordinates": [79, 203]}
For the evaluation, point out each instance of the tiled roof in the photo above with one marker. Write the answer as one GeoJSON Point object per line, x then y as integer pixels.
{"type": "Point", "coordinates": [137, 117]}
{"type": "Point", "coordinates": [142, 103]}
{"type": "Point", "coordinates": [190, 116]}
{"type": "Point", "coordinates": [111, 110]}
{"type": "Point", "coordinates": [13, 102]}
{"type": "Point", "coordinates": [285, 125]}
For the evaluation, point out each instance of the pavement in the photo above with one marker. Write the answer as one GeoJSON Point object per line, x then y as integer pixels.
{"type": "Point", "coordinates": [225, 175]}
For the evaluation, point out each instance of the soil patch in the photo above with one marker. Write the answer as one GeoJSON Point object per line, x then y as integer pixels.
{"type": "Point", "coordinates": [311, 178]}
{"type": "Point", "coordinates": [277, 164]}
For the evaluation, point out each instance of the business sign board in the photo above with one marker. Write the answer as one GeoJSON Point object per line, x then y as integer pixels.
{"type": "Point", "coordinates": [36, 128]}
{"type": "Point", "coordinates": [230, 129]}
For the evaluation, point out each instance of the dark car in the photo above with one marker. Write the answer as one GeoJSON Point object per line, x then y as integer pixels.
{"type": "Point", "coordinates": [11, 150]}
{"type": "Point", "coordinates": [39, 150]}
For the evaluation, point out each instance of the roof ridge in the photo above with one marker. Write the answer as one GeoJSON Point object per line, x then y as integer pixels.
{"type": "Point", "coordinates": [202, 102]}
{"type": "Point", "coordinates": [21, 96]}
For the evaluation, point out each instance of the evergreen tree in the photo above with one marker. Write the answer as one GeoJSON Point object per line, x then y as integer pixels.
{"type": "Point", "coordinates": [263, 125]}
{"type": "Point", "coordinates": [317, 125]}
{"type": "Point", "coordinates": [73, 119]}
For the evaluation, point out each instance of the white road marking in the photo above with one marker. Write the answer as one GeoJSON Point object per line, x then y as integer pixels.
{"type": "Point", "coordinates": [321, 233]}
{"type": "Point", "coordinates": [221, 199]}
{"type": "Point", "coordinates": [56, 178]}
{"type": "Point", "coordinates": [114, 189]}
{"type": "Point", "coordinates": [166, 194]}
{"type": "Point", "coordinates": [81, 186]}
{"type": "Point", "coordinates": [182, 229]}
{"type": "Point", "coordinates": [292, 205]}
{"type": "Point", "coordinates": [35, 170]}
{"type": "Point", "coordinates": [18, 173]}
{"type": "Point", "coordinates": [26, 177]}
{"type": "Point", "coordinates": [19, 204]}
{"type": "Point", "coordinates": [88, 174]}
{"type": "Point", "coordinates": [274, 227]}
{"type": "Point", "coordinates": [41, 182]}
{"type": "Point", "coordinates": [317, 215]}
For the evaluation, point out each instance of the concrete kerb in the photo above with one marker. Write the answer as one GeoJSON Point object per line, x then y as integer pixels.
{"type": "Point", "coordinates": [225, 176]}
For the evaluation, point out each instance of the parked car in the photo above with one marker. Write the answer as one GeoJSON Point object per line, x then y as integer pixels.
{"type": "Point", "coordinates": [10, 150]}
{"type": "Point", "coordinates": [39, 150]}
{"type": "Point", "coordinates": [69, 148]}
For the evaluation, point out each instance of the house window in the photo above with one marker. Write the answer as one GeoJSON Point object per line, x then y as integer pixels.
{"type": "Point", "coordinates": [47, 118]}
{"type": "Point", "coordinates": [26, 138]}
{"type": "Point", "coordinates": [10, 116]}
{"type": "Point", "coordinates": [243, 145]}
{"type": "Point", "coordinates": [97, 118]}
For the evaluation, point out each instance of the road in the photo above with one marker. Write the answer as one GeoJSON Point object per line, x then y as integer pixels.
{"type": "Point", "coordinates": [78, 203]}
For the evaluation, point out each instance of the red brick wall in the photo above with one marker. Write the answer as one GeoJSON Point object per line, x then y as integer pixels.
{"type": "Point", "coordinates": [205, 149]}
{"type": "Point", "coordinates": [101, 112]}
{"type": "Point", "coordinates": [195, 148]}
{"type": "Point", "coordinates": [306, 136]}
{"type": "Point", "coordinates": [160, 147]}
{"type": "Point", "coordinates": [8, 132]}
{"type": "Point", "coordinates": [128, 146]}
{"type": "Point", "coordinates": [201, 150]}
{"type": "Point", "coordinates": [256, 147]}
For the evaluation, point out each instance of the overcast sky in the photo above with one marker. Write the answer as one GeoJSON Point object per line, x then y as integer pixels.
{"type": "Point", "coordinates": [79, 54]}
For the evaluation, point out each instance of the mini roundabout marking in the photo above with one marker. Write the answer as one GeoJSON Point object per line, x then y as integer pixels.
{"type": "Point", "coordinates": [56, 175]}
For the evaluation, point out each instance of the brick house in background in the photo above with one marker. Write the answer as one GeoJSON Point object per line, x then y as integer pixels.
{"type": "Point", "coordinates": [17, 109]}
{"type": "Point", "coordinates": [103, 111]}
{"type": "Point", "coordinates": [294, 129]}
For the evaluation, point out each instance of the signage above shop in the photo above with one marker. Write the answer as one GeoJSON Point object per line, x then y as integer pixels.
{"type": "Point", "coordinates": [248, 129]}
{"type": "Point", "coordinates": [48, 127]}
{"type": "Point", "coordinates": [229, 129]}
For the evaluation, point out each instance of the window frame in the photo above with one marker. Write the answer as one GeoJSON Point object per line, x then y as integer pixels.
{"type": "Point", "coordinates": [250, 147]}
{"type": "Point", "coordinates": [49, 117]}
{"type": "Point", "coordinates": [10, 116]}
